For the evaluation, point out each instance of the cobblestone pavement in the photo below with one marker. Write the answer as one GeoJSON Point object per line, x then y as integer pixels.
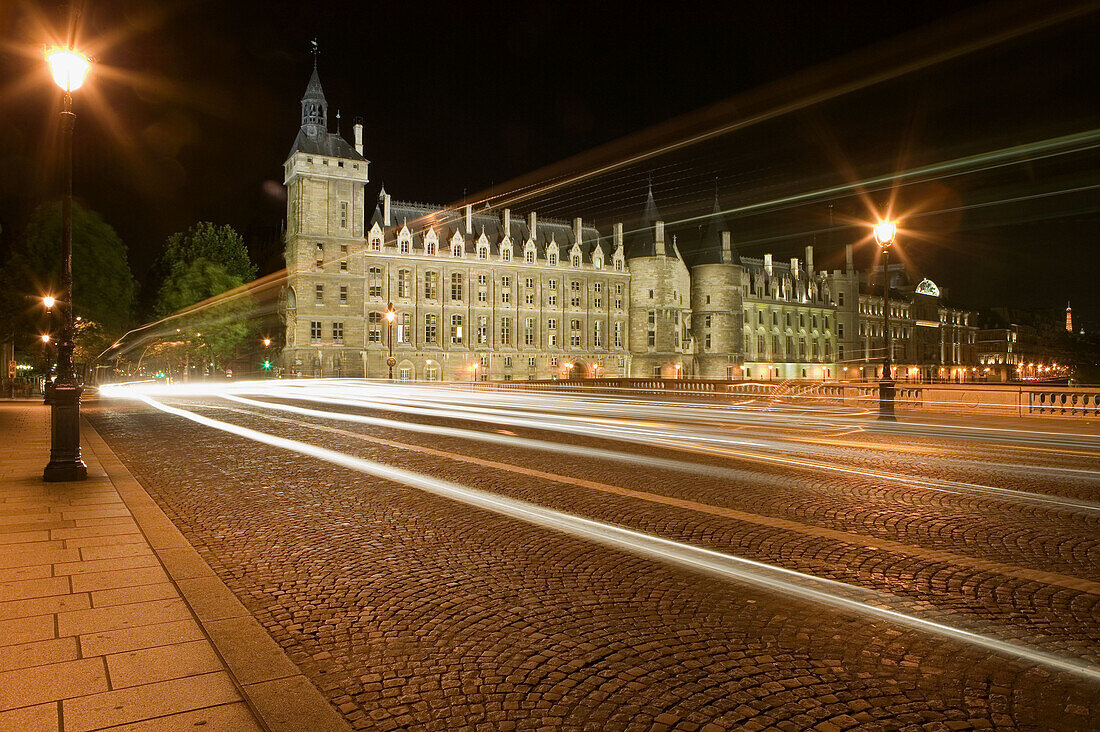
{"type": "Point", "coordinates": [411, 610]}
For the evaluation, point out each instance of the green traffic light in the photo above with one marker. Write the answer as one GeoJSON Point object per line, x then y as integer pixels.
{"type": "Point", "coordinates": [267, 365]}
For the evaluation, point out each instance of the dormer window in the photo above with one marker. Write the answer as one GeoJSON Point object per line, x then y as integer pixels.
{"type": "Point", "coordinates": [551, 257]}
{"type": "Point", "coordinates": [597, 262]}
{"type": "Point", "coordinates": [575, 261]}
{"type": "Point", "coordinates": [506, 254]}
{"type": "Point", "coordinates": [375, 244]}
{"type": "Point", "coordinates": [618, 264]}
{"type": "Point", "coordinates": [456, 250]}
{"type": "Point", "coordinates": [483, 251]}
{"type": "Point", "coordinates": [529, 254]}
{"type": "Point", "coordinates": [430, 244]}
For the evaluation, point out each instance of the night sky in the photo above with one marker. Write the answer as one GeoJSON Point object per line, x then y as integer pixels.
{"type": "Point", "coordinates": [194, 106]}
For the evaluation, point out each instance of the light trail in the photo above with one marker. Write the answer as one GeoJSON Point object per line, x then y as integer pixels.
{"type": "Point", "coordinates": [711, 445]}
{"type": "Point", "coordinates": [876, 543]}
{"type": "Point", "coordinates": [831, 593]}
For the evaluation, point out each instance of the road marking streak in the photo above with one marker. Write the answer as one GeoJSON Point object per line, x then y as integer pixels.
{"type": "Point", "coordinates": [862, 540]}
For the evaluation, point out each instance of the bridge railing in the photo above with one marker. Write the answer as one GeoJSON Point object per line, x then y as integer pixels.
{"type": "Point", "coordinates": [1006, 399]}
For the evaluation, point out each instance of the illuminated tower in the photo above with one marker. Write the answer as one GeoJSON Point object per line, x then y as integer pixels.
{"type": "Point", "coordinates": [1069, 318]}
{"type": "Point", "coordinates": [716, 302]}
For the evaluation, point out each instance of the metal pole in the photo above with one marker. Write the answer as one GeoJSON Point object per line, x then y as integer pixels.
{"type": "Point", "coordinates": [886, 385]}
{"type": "Point", "coordinates": [389, 361]}
{"type": "Point", "coordinates": [65, 462]}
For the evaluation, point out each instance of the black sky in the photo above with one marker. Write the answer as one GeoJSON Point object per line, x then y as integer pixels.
{"type": "Point", "coordinates": [195, 104]}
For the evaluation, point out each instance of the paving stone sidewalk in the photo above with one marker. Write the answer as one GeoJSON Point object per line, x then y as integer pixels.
{"type": "Point", "coordinates": [110, 619]}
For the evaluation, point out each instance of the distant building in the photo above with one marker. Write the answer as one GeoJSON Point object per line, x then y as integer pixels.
{"type": "Point", "coordinates": [488, 295]}
{"type": "Point", "coordinates": [1069, 318]}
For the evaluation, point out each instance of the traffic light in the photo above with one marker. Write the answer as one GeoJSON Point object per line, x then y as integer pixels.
{"type": "Point", "coordinates": [267, 365]}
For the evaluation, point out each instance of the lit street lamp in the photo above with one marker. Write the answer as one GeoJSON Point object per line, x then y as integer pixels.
{"type": "Point", "coordinates": [69, 68]}
{"type": "Point", "coordinates": [45, 337]}
{"type": "Point", "coordinates": [391, 315]}
{"type": "Point", "coordinates": [48, 301]}
{"type": "Point", "coordinates": [885, 232]}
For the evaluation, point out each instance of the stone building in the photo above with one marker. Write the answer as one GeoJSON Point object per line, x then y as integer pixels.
{"type": "Point", "coordinates": [488, 295]}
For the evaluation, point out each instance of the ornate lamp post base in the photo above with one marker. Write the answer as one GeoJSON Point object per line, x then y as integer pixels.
{"type": "Point", "coordinates": [886, 401]}
{"type": "Point", "coordinates": [65, 463]}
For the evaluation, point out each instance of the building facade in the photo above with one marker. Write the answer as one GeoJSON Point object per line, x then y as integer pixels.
{"type": "Point", "coordinates": [488, 295]}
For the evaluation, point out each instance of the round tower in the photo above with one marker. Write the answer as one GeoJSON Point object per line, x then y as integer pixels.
{"type": "Point", "coordinates": [659, 300]}
{"type": "Point", "coordinates": [716, 303]}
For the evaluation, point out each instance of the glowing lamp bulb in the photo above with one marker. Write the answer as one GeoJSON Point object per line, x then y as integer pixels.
{"type": "Point", "coordinates": [45, 337]}
{"type": "Point", "coordinates": [885, 231]}
{"type": "Point", "coordinates": [48, 301]}
{"type": "Point", "coordinates": [390, 315]}
{"type": "Point", "coordinates": [267, 342]}
{"type": "Point", "coordinates": [68, 67]}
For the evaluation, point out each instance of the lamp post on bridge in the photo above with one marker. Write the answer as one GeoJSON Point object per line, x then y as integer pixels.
{"type": "Point", "coordinates": [885, 232]}
{"type": "Point", "coordinates": [68, 68]}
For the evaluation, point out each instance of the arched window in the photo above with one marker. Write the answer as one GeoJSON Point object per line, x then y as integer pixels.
{"type": "Point", "coordinates": [575, 261]}
{"type": "Point", "coordinates": [431, 371]}
{"type": "Point", "coordinates": [618, 264]}
{"type": "Point", "coordinates": [506, 254]}
{"type": "Point", "coordinates": [482, 251]}
{"type": "Point", "coordinates": [430, 242]}
{"type": "Point", "coordinates": [551, 257]}
{"type": "Point", "coordinates": [456, 250]}
{"type": "Point", "coordinates": [529, 253]}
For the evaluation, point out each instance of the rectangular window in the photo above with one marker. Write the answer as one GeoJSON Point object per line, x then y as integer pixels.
{"type": "Point", "coordinates": [505, 290]}
{"type": "Point", "coordinates": [338, 333]}
{"type": "Point", "coordinates": [343, 214]}
{"type": "Point", "coordinates": [343, 294]}
{"type": "Point", "coordinates": [552, 332]}
{"type": "Point", "coordinates": [505, 331]}
{"type": "Point", "coordinates": [529, 331]}
{"type": "Point", "coordinates": [575, 333]}
{"type": "Point", "coordinates": [597, 303]}
{"type": "Point", "coordinates": [374, 282]}
{"type": "Point", "coordinates": [618, 304]}
{"type": "Point", "coordinates": [651, 336]}
{"type": "Point", "coordinates": [456, 330]}
{"type": "Point", "coordinates": [840, 298]}
{"type": "Point", "coordinates": [314, 331]}
{"type": "Point", "coordinates": [790, 346]}
{"type": "Point", "coordinates": [456, 286]}
{"type": "Point", "coordinates": [431, 322]}
{"type": "Point", "coordinates": [706, 341]}
{"type": "Point", "coordinates": [404, 328]}
{"type": "Point", "coordinates": [319, 293]}
{"type": "Point", "coordinates": [597, 334]}
{"type": "Point", "coordinates": [618, 335]}
{"type": "Point", "coordinates": [404, 283]}
{"type": "Point", "coordinates": [431, 285]}
{"type": "Point", "coordinates": [482, 329]}
{"type": "Point", "coordinates": [374, 327]}
{"type": "Point", "coordinates": [840, 330]}
{"type": "Point", "coordinates": [706, 321]}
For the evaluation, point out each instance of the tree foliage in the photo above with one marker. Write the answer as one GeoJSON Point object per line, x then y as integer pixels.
{"type": "Point", "coordinates": [103, 287]}
{"type": "Point", "coordinates": [203, 263]}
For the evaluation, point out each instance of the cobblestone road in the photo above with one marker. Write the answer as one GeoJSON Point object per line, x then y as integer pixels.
{"type": "Point", "coordinates": [411, 610]}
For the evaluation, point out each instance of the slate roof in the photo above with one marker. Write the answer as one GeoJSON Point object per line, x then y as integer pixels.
{"type": "Point", "coordinates": [324, 143]}
{"type": "Point", "coordinates": [642, 241]}
{"type": "Point", "coordinates": [420, 218]}
{"type": "Point", "coordinates": [709, 248]}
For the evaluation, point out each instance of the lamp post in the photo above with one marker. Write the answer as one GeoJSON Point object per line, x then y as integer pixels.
{"type": "Point", "coordinates": [391, 315]}
{"type": "Point", "coordinates": [885, 231]}
{"type": "Point", "coordinates": [68, 68]}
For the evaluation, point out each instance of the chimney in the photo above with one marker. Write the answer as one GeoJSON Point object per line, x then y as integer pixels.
{"type": "Point", "coordinates": [810, 261]}
{"type": "Point", "coordinates": [358, 130]}
{"type": "Point", "coordinates": [469, 219]}
{"type": "Point", "coordinates": [794, 268]}
{"type": "Point", "coordinates": [659, 237]}
{"type": "Point", "coordinates": [386, 209]}
{"type": "Point", "coordinates": [617, 235]}
{"type": "Point", "coordinates": [768, 264]}
{"type": "Point", "coordinates": [532, 223]}
{"type": "Point", "coordinates": [577, 229]}
{"type": "Point", "coordinates": [727, 248]}
{"type": "Point", "coordinates": [508, 222]}
{"type": "Point", "coordinates": [848, 268]}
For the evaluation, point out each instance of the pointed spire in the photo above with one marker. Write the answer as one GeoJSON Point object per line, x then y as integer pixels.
{"type": "Point", "coordinates": [650, 214]}
{"type": "Point", "coordinates": [314, 105]}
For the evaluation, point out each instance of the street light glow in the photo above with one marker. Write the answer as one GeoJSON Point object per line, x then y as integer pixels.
{"type": "Point", "coordinates": [45, 337]}
{"type": "Point", "coordinates": [48, 301]}
{"type": "Point", "coordinates": [885, 231]}
{"type": "Point", "coordinates": [68, 67]}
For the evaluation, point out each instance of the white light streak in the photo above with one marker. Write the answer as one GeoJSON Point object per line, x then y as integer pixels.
{"type": "Point", "coordinates": [837, 595]}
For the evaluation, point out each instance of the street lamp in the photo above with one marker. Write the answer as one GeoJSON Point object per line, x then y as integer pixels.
{"type": "Point", "coordinates": [885, 232]}
{"type": "Point", "coordinates": [391, 315]}
{"type": "Point", "coordinates": [69, 68]}
{"type": "Point", "coordinates": [48, 301]}
{"type": "Point", "coordinates": [267, 342]}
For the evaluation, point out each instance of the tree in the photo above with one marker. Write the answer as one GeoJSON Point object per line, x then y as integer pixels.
{"type": "Point", "coordinates": [202, 263]}
{"type": "Point", "coordinates": [103, 287]}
